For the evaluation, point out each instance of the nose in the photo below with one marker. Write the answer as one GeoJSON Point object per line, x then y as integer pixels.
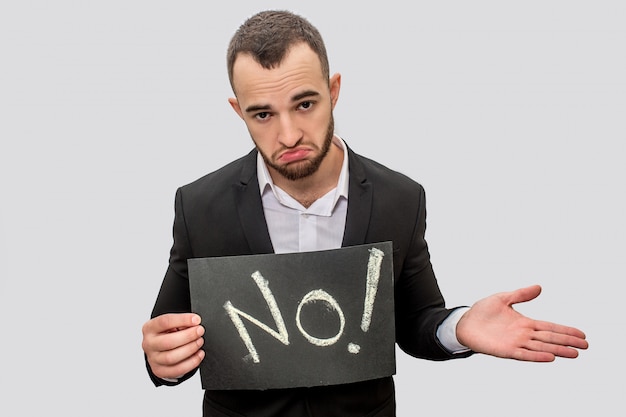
{"type": "Point", "coordinates": [289, 134]}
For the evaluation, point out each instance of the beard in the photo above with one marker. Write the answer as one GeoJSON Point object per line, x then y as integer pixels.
{"type": "Point", "coordinates": [303, 169]}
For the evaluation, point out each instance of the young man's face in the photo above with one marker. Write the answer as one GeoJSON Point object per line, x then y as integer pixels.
{"type": "Point", "coordinates": [287, 110]}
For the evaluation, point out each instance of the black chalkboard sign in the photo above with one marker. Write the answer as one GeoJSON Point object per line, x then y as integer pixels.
{"type": "Point", "coordinates": [296, 320]}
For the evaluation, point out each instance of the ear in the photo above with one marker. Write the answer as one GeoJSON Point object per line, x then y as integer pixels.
{"type": "Point", "coordinates": [235, 105]}
{"type": "Point", "coordinates": [334, 83]}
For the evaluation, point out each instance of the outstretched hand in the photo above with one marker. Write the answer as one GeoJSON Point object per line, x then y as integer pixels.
{"type": "Point", "coordinates": [491, 326]}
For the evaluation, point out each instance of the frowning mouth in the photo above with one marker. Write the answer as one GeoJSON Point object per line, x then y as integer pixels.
{"type": "Point", "coordinates": [294, 155]}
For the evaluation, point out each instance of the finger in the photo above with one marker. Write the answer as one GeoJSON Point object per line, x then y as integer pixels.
{"type": "Point", "coordinates": [561, 339]}
{"type": "Point", "coordinates": [530, 355]}
{"type": "Point", "coordinates": [171, 321]}
{"type": "Point", "coordinates": [177, 355]}
{"type": "Point", "coordinates": [552, 349]}
{"type": "Point", "coordinates": [174, 339]}
{"type": "Point", "coordinates": [559, 328]}
{"type": "Point", "coordinates": [180, 368]}
{"type": "Point", "coordinates": [153, 344]}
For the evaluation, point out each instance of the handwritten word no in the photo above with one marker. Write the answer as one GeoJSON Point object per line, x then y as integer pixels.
{"type": "Point", "coordinates": [281, 334]}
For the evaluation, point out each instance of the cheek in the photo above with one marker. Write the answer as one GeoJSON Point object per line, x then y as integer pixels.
{"type": "Point", "coordinates": [261, 135]}
{"type": "Point", "coordinates": [317, 122]}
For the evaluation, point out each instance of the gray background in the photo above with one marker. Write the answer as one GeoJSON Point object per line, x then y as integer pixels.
{"type": "Point", "coordinates": [511, 114]}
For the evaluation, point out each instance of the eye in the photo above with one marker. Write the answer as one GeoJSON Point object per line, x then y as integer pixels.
{"type": "Point", "coordinates": [305, 105]}
{"type": "Point", "coordinates": [262, 115]}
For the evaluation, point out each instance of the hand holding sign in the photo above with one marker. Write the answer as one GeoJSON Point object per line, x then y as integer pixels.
{"type": "Point", "coordinates": [172, 344]}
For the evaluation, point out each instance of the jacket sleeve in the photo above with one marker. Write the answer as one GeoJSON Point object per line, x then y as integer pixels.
{"type": "Point", "coordinates": [420, 306]}
{"type": "Point", "coordinates": [174, 296]}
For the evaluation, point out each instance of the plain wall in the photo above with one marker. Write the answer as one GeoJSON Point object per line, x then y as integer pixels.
{"type": "Point", "coordinates": [511, 114]}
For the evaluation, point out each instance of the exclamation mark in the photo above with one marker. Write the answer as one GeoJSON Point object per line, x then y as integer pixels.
{"type": "Point", "coordinates": [371, 288]}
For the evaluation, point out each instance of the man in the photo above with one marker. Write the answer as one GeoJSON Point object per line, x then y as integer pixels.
{"type": "Point", "coordinates": [279, 73]}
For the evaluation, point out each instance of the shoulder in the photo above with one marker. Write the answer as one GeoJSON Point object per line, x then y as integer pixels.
{"type": "Point", "coordinates": [241, 170]}
{"type": "Point", "coordinates": [366, 170]}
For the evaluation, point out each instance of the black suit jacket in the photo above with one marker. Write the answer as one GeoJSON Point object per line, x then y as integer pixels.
{"type": "Point", "coordinates": [221, 214]}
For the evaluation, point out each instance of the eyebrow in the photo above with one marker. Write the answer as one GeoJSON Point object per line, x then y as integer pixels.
{"type": "Point", "coordinates": [297, 97]}
{"type": "Point", "coordinates": [305, 94]}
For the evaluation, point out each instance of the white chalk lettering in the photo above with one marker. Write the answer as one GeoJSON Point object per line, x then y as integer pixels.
{"type": "Point", "coordinates": [371, 286]}
{"type": "Point", "coordinates": [321, 295]}
{"type": "Point", "coordinates": [236, 314]}
{"type": "Point", "coordinates": [354, 348]}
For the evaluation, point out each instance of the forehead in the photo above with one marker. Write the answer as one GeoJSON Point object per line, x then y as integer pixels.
{"type": "Point", "coordinates": [300, 68]}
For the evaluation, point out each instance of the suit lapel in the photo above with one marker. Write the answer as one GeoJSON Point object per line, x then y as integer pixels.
{"type": "Point", "coordinates": [359, 203]}
{"type": "Point", "coordinates": [250, 208]}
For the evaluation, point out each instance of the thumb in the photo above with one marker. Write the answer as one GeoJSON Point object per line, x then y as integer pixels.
{"type": "Point", "coordinates": [523, 295]}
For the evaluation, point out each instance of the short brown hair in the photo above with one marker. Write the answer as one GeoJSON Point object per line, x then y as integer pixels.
{"type": "Point", "coordinates": [267, 37]}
